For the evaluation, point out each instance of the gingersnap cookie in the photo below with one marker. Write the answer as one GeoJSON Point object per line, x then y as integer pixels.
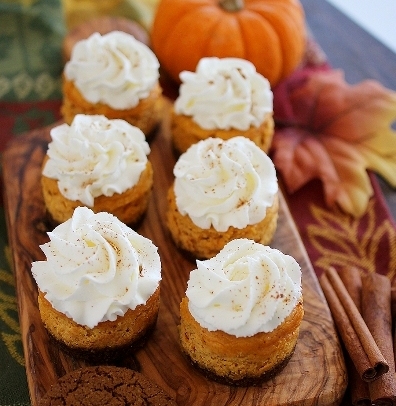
{"type": "Point", "coordinates": [105, 385]}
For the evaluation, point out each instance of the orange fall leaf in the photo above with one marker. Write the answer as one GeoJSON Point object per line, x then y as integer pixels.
{"type": "Point", "coordinates": [333, 131]}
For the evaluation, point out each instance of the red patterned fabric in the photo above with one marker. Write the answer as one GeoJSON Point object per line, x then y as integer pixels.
{"type": "Point", "coordinates": [330, 236]}
{"type": "Point", "coordinates": [334, 238]}
{"type": "Point", "coordinates": [19, 117]}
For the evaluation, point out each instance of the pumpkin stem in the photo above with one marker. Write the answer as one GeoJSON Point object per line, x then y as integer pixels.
{"type": "Point", "coordinates": [231, 5]}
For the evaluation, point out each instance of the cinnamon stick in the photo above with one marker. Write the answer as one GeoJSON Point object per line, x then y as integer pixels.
{"type": "Point", "coordinates": [358, 341]}
{"type": "Point", "coordinates": [360, 395]}
{"type": "Point", "coordinates": [376, 311]}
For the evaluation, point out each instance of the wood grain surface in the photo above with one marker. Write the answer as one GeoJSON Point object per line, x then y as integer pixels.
{"type": "Point", "coordinates": [316, 373]}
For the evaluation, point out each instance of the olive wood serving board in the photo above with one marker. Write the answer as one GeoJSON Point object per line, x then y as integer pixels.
{"type": "Point", "coordinates": [315, 375]}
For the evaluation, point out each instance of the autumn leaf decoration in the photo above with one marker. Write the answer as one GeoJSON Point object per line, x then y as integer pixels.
{"type": "Point", "coordinates": [333, 131]}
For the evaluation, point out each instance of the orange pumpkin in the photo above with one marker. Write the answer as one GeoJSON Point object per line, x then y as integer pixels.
{"type": "Point", "coordinates": [269, 33]}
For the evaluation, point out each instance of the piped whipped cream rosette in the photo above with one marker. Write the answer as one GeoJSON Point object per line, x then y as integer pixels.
{"type": "Point", "coordinates": [99, 163]}
{"type": "Point", "coordinates": [225, 93]}
{"type": "Point", "coordinates": [114, 69]}
{"type": "Point", "coordinates": [246, 289]}
{"type": "Point", "coordinates": [225, 183]}
{"type": "Point", "coordinates": [97, 268]}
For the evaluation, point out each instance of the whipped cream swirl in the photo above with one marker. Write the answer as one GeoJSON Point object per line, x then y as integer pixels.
{"type": "Point", "coordinates": [223, 183]}
{"type": "Point", "coordinates": [114, 69]}
{"type": "Point", "coordinates": [97, 268]}
{"type": "Point", "coordinates": [246, 289]}
{"type": "Point", "coordinates": [95, 156]}
{"type": "Point", "coordinates": [224, 93]}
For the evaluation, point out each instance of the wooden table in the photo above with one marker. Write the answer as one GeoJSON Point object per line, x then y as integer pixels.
{"type": "Point", "coordinates": [352, 49]}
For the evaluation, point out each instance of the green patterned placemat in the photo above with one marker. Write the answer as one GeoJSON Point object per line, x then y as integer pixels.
{"type": "Point", "coordinates": [31, 33]}
{"type": "Point", "coordinates": [13, 384]}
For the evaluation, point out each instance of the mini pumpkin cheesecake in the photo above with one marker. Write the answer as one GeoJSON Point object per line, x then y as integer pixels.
{"type": "Point", "coordinates": [114, 75]}
{"type": "Point", "coordinates": [98, 163]}
{"type": "Point", "coordinates": [223, 190]}
{"type": "Point", "coordinates": [240, 319]}
{"type": "Point", "coordinates": [99, 286]}
{"type": "Point", "coordinates": [223, 98]}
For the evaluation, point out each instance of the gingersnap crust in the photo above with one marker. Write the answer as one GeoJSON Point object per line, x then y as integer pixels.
{"type": "Point", "coordinates": [108, 354]}
{"type": "Point", "coordinates": [246, 381]}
